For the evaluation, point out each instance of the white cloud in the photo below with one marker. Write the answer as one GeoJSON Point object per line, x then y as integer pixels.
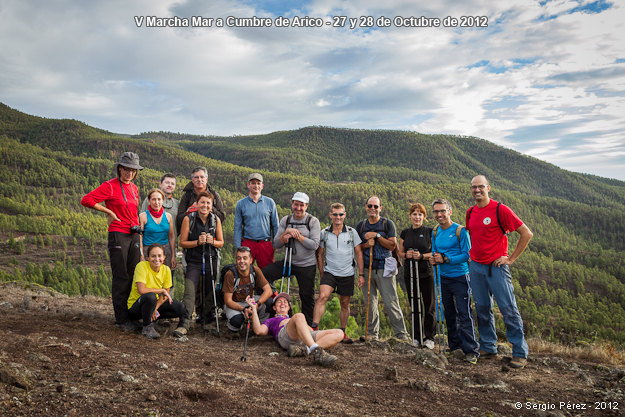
{"type": "Point", "coordinates": [525, 79]}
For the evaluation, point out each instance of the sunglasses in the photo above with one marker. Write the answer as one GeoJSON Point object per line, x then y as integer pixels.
{"type": "Point", "coordinates": [337, 214]}
{"type": "Point", "coordinates": [245, 248]}
{"type": "Point", "coordinates": [373, 206]}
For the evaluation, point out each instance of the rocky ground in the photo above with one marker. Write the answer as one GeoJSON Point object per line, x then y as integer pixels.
{"type": "Point", "coordinates": [63, 356]}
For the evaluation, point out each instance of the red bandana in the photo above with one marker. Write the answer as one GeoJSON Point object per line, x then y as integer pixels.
{"type": "Point", "coordinates": [155, 214]}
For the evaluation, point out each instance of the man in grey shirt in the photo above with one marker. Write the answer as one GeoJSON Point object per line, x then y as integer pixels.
{"type": "Point", "coordinates": [301, 231]}
{"type": "Point", "coordinates": [339, 251]}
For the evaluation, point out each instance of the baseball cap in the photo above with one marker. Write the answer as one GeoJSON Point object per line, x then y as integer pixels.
{"type": "Point", "coordinates": [299, 196]}
{"type": "Point", "coordinates": [255, 176]}
{"type": "Point", "coordinates": [284, 295]}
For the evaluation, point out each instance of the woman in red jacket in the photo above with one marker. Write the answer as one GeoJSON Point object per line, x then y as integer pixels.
{"type": "Point", "coordinates": [121, 205]}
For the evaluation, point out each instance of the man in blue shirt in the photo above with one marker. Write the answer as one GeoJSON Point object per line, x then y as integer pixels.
{"type": "Point", "coordinates": [256, 222]}
{"type": "Point", "coordinates": [450, 252]}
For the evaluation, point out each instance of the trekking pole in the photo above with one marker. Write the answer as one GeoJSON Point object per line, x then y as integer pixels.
{"type": "Point", "coordinates": [368, 293]}
{"type": "Point", "coordinates": [202, 290]}
{"type": "Point", "coordinates": [247, 334]}
{"type": "Point", "coordinates": [288, 279]}
{"type": "Point", "coordinates": [411, 296]}
{"type": "Point", "coordinates": [439, 299]}
{"type": "Point", "coordinates": [286, 257]}
{"type": "Point", "coordinates": [214, 292]}
{"type": "Point", "coordinates": [419, 311]}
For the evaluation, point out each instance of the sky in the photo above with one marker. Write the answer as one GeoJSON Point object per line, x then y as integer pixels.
{"type": "Point", "coordinates": [545, 78]}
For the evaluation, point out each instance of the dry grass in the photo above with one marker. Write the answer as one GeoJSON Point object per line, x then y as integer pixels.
{"type": "Point", "coordinates": [594, 352]}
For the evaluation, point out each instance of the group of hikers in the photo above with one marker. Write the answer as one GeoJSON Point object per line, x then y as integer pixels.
{"type": "Point", "coordinates": [443, 266]}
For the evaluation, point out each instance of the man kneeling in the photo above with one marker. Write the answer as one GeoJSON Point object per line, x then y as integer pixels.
{"type": "Point", "coordinates": [294, 334]}
{"type": "Point", "coordinates": [240, 283]}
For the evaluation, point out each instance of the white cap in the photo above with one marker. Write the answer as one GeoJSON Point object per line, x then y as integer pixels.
{"type": "Point", "coordinates": [298, 196]}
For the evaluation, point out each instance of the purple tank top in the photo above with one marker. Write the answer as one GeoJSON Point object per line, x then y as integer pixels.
{"type": "Point", "coordinates": [273, 324]}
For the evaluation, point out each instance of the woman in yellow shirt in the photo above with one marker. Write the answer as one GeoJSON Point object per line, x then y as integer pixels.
{"type": "Point", "coordinates": [150, 296]}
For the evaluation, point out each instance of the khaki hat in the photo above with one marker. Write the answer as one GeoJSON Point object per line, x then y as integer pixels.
{"type": "Point", "coordinates": [129, 160]}
{"type": "Point", "coordinates": [255, 176]}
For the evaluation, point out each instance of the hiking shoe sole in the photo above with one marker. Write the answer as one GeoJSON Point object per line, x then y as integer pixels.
{"type": "Point", "coordinates": [296, 350]}
{"type": "Point", "coordinates": [471, 358]}
{"type": "Point", "coordinates": [179, 332]}
{"type": "Point", "coordinates": [321, 357]}
{"type": "Point", "coordinates": [487, 355]}
{"type": "Point", "coordinates": [517, 363]}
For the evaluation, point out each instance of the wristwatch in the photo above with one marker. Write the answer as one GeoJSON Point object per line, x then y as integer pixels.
{"type": "Point", "coordinates": [377, 235]}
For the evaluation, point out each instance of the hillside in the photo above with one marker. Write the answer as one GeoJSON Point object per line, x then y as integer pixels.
{"type": "Point", "coordinates": [570, 283]}
{"type": "Point", "coordinates": [61, 357]}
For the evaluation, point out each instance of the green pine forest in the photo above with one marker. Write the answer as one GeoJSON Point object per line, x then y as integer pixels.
{"type": "Point", "coordinates": [570, 282]}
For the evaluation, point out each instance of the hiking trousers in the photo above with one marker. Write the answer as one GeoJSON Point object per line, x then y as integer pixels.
{"type": "Point", "coordinates": [388, 291]}
{"type": "Point", "coordinates": [124, 254]}
{"type": "Point", "coordinates": [428, 311]}
{"type": "Point", "coordinates": [488, 281]}
{"type": "Point", "coordinates": [192, 297]}
{"type": "Point", "coordinates": [305, 280]}
{"type": "Point", "coordinates": [143, 308]}
{"type": "Point", "coordinates": [456, 295]}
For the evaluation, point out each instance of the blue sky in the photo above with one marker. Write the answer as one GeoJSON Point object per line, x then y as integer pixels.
{"type": "Point", "coordinates": [546, 78]}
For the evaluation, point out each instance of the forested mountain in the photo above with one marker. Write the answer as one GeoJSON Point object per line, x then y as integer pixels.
{"type": "Point", "coordinates": [570, 282]}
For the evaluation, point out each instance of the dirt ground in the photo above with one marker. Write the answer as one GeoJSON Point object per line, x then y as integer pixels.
{"type": "Point", "coordinates": [63, 356]}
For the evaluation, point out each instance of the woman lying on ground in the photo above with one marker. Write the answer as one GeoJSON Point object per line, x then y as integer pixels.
{"type": "Point", "coordinates": [294, 334]}
{"type": "Point", "coordinates": [158, 227]}
{"type": "Point", "coordinates": [150, 297]}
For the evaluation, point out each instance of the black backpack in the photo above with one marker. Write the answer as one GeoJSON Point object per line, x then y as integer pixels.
{"type": "Point", "coordinates": [498, 221]}
{"type": "Point", "coordinates": [219, 294]}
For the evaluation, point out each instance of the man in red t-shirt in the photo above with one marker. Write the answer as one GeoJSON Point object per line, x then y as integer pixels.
{"type": "Point", "coordinates": [488, 223]}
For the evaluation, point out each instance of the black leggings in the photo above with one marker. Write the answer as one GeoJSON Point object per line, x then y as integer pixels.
{"type": "Point", "coordinates": [428, 311]}
{"type": "Point", "coordinates": [143, 308]}
{"type": "Point", "coordinates": [125, 254]}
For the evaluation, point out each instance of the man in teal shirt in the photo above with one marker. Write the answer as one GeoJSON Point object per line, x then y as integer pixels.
{"type": "Point", "coordinates": [450, 253]}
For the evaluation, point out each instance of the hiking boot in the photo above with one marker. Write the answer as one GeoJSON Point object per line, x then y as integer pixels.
{"type": "Point", "coordinates": [321, 357]}
{"type": "Point", "coordinates": [471, 358]}
{"type": "Point", "coordinates": [487, 355]}
{"type": "Point", "coordinates": [296, 350]}
{"type": "Point", "coordinates": [180, 331]}
{"type": "Point", "coordinates": [150, 332]}
{"type": "Point", "coordinates": [232, 335]}
{"type": "Point", "coordinates": [129, 326]}
{"type": "Point", "coordinates": [517, 362]}
{"type": "Point", "coordinates": [404, 338]}
{"type": "Point", "coordinates": [369, 338]}
{"type": "Point", "coordinates": [346, 339]}
{"type": "Point", "coordinates": [429, 343]}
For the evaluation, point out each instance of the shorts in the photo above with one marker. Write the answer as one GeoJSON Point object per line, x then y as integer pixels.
{"type": "Point", "coordinates": [342, 285]}
{"type": "Point", "coordinates": [285, 341]}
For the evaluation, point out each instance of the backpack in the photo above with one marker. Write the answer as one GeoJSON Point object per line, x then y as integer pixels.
{"type": "Point", "coordinates": [289, 221]}
{"type": "Point", "coordinates": [324, 238]}
{"type": "Point", "coordinates": [458, 231]}
{"type": "Point", "coordinates": [394, 252]}
{"type": "Point", "coordinates": [219, 294]}
{"type": "Point", "coordinates": [498, 220]}
{"type": "Point", "coordinates": [212, 222]}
